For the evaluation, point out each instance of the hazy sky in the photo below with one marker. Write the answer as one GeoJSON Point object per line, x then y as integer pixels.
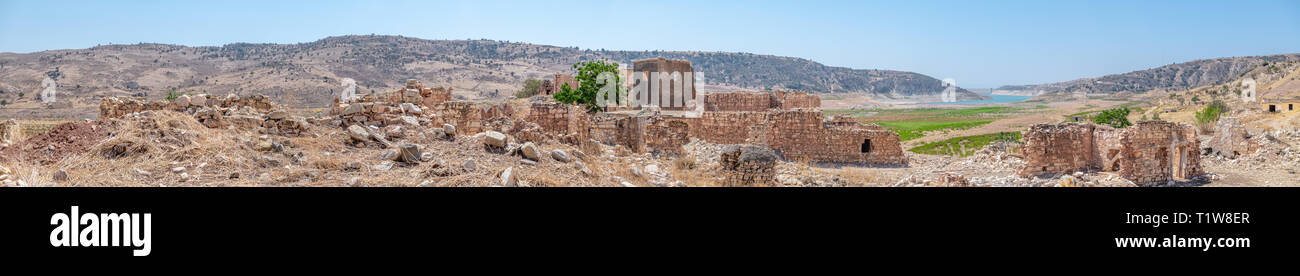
{"type": "Point", "coordinates": [978, 43]}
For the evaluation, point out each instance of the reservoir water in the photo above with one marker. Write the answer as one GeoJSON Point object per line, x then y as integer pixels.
{"type": "Point", "coordinates": [995, 99]}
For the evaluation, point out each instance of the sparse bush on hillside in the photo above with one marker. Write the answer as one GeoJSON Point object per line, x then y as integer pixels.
{"type": "Point", "coordinates": [171, 95]}
{"type": "Point", "coordinates": [1208, 116]}
{"type": "Point", "coordinates": [1114, 117]}
{"type": "Point", "coordinates": [531, 87]}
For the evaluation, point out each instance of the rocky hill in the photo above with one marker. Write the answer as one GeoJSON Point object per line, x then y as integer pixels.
{"type": "Point", "coordinates": [312, 74]}
{"type": "Point", "coordinates": [1179, 76]}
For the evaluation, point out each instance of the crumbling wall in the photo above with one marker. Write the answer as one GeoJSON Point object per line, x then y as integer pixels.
{"type": "Point", "coordinates": [747, 165]}
{"type": "Point", "coordinates": [10, 132]}
{"type": "Point", "coordinates": [726, 127]}
{"type": "Point", "coordinates": [760, 101]}
{"type": "Point", "coordinates": [801, 135]}
{"type": "Point", "coordinates": [1157, 152]}
{"type": "Point", "coordinates": [793, 100]}
{"type": "Point", "coordinates": [116, 107]}
{"type": "Point", "coordinates": [737, 101]}
{"type": "Point", "coordinates": [1148, 153]}
{"type": "Point", "coordinates": [466, 116]}
{"type": "Point", "coordinates": [1231, 139]}
{"type": "Point", "coordinates": [1063, 148]}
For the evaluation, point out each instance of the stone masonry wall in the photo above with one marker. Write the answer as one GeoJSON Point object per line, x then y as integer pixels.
{"type": "Point", "coordinates": [1064, 148]}
{"type": "Point", "coordinates": [726, 127]}
{"type": "Point", "coordinates": [1148, 153]}
{"type": "Point", "coordinates": [737, 101]}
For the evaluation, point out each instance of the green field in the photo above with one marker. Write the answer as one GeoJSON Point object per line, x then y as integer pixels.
{"type": "Point", "coordinates": [966, 145]}
{"type": "Point", "coordinates": [913, 123]}
{"type": "Point", "coordinates": [912, 129]}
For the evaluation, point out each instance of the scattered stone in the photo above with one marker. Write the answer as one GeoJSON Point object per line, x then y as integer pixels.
{"type": "Point", "coordinates": [60, 176]}
{"type": "Point", "coordinates": [530, 151]}
{"type": "Point", "coordinates": [636, 171]}
{"type": "Point", "coordinates": [628, 184]}
{"type": "Point", "coordinates": [494, 139]}
{"type": "Point", "coordinates": [4, 170]}
{"type": "Point", "coordinates": [410, 154]}
{"type": "Point", "coordinates": [265, 145]}
{"type": "Point", "coordinates": [559, 155]}
{"type": "Point", "coordinates": [142, 172]}
{"type": "Point", "coordinates": [470, 165]}
{"type": "Point", "coordinates": [234, 175]}
{"type": "Point", "coordinates": [185, 176]}
{"type": "Point", "coordinates": [652, 169]}
{"type": "Point", "coordinates": [508, 177]}
{"type": "Point", "coordinates": [384, 166]}
{"type": "Point", "coordinates": [426, 183]}
{"type": "Point", "coordinates": [426, 156]}
{"type": "Point", "coordinates": [358, 133]}
{"type": "Point", "coordinates": [449, 129]}
{"type": "Point", "coordinates": [353, 181]}
{"type": "Point", "coordinates": [390, 154]}
{"type": "Point", "coordinates": [277, 115]}
{"type": "Point", "coordinates": [178, 169]}
{"type": "Point", "coordinates": [528, 162]}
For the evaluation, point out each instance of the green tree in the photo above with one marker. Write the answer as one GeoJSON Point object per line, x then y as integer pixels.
{"type": "Point", "coordinates": [588, 87]}
{"type": "Point", "coordinates": [1114, 117]}
{"type": "Point", "coordinates": [531, 87]}
{"type": "Point", "coordinates": [4, 102]}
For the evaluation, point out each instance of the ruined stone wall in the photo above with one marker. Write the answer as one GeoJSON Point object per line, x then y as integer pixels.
{"type": "Point", "coordinates": [792, 100]}
{"type": "Point", "coordinates": [726, 127]}
{"type": "Point", "coordinates": [1231, 139]}
{"type": "Point", "coordinates": [560, 79]}
{"type": "Point", "coordinates": [667, 135]}
{"type": "Point", "coordinates": [737, 101]}
{"type": "Point", "coordinates": [116, 107]}
{"type": "Point", "coordinates": [747, 166]}
{"type": "Point", "coordinates": [1148, 153]}
{"type": "Point", "coordinates": [1157, 151]}
{"type": "Point", "coordinates": [466, 116]}
{"type": "Point", "coordinates": [10, 132]}
{"type": "Point", "coordinates": [800, 135]}
{"type": "Point", "coordinates": [434, 96]}
{"type": "Point", "coordinates": [1064, 148]}
{"type": "Point", "coordinates": [760, 101]}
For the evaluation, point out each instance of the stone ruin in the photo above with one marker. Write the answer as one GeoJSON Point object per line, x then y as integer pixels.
{"type": "Point", "coordinates": [557, 82]}
{"type": "Point", "coordinates": [255, 111]}
{"type": "Point", "coordinates": [1150, 153]}
{"type": "Point", "coordinates": [1231, 139]}
{"type": "Point", "coordinates": [10, 132]}
{"type": "Point", "coordinates": [747, 165]}
{"type": "Point", "coordinates": [792, 124]}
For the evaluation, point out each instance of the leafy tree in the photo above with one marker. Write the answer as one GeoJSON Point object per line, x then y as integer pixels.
{"type": "Point", "coordinates": [531, 87]}
{"type": "Point", "coordinates": [587, 89]}
{"type": "Point", "coordinates": [4, 102]}
{"type": "Point", "coordinates": [1115, 117]}
{"type": "Point", "coordinates": [1156, 116]}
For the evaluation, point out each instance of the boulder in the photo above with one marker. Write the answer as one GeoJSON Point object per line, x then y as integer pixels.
{"type": "Point", "coordinates": [449, 129]}
{"type": "Point", "coordinates": [530, 151]}
{"type": "Point", "coordinates": [508, 177]}
{"type": "Point", "coordinates": [352, 109]}
{"type": "Point", "coordinates": [559, 155]}
{"type": "Point", "coordinates": [358, 133]}
{"type": "Point", "coordinates": [277, 115]}
{"type": "Point", "coordinates": [410, 154]}
{"type": "Point", "coordinates": [388, 155]}
{"type": "Point", "coordinates": [494, 139]}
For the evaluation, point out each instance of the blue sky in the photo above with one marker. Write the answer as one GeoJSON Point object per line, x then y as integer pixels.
{"type": "Point", "coordinates": [978, 43]}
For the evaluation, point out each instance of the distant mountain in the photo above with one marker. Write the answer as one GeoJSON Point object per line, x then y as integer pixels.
{"type": "Point", "coordinates": [311, 74]}
{"type": "Point", "coordinates": [1184, 75]}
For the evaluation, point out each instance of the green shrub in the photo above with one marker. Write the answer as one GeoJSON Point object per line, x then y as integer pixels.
{"type": "Point", "coordinates": [1114, 117]}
